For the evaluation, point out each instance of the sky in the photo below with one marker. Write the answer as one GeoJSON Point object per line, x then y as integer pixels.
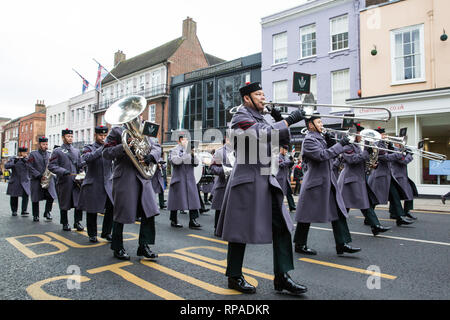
{"type": "Point", "coordinates": [42, 40]}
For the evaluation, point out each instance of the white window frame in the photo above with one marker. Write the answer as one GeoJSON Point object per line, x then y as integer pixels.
{"type": "Point", "coordinates": [332, 90]}
{"type": "Point", "coordinates": [393, 33]}
{"type": "Point", "coordinates": [310, 26]}
{"type": "Point", "coordinates": [332, 34]}
{"type": "Point", "coordinates": [152, 113]}
{"type": "Point", "coordinates": [284, 96]}
{"type": "Point", "coordinates": [274, 50]}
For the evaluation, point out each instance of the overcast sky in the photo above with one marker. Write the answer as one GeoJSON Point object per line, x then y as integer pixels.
{"type": "Point", "coordinates": [42, 40]}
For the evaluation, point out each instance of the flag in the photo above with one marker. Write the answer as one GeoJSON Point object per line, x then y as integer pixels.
{"type": "Point", "coordinates": [101, 74]}
{"type": "Point", "coordinates": [85, 82]}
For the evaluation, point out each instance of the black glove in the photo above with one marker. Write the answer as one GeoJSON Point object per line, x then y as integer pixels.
{"type": "Point", "coordinates": [15, 160]}
{"type": "Point", "coordinates": [291, 158]}
{"type": "Point", "coordinates": [408, 151]}
{"type": "Point", "coordinates": [369, 150]}
{"type": "Point", "coordinates": [296, 116]}
{"type": "Point", "coordinates": [329, 139]}
{"type": "Point", "coordinates": [149, 159]}
{"type": "Point", "coordinates": [276, 114]}
{"type": "Point", "coordinates": [390, 146]}
{"type": "Point", "coordinates": [66, 173]}
{"type": "Point", "coordinates": [344, 141]}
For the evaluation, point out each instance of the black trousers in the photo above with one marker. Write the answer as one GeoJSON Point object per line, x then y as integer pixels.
{"type": "Point", "coordinates": [395, 203]}
{"type": "Point", "coordinates": [193, 214]}
{"type": "Point", "coordinates": [161, 199]}
{"type": "Point", "coordinates": [48, 204]}
{"type": "Point", "coordinates": [290, 199]}
{"type": "Point", "coordinates": [283, 260]}
{"type": "Point", "coordinates": [447, 195]}
{"type": "Point", "coordinates": [216, 218]}
{"type": "Point", "coordinates": [14, 202]}
{"type": "Point", "coordinates": [341, 232]}
{"type": "Point", "coordinates": [146, 233]}
{"type": "Point", "coordinates": [297, 187]}
{"type": "Point", "coordinates": [369, 216]}
{"type": "Point", "coordinates": [77, 216]}
{"type": "Point", "coordinates": [91, 220]}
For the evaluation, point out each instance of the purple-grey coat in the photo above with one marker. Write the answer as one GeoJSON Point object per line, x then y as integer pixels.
{"type": "Point", "coordinates": [220, 159]}
{"type": "Point", "coordinates": [315, 199]}
{"type": "Point", "coordinates": [66, 159]}
{"type": "Point", "coordinates": [128, 186]}
{"type": "Point", "coordinates": [20, 178]}
{"type": "Point", "coordinates": [97, 185]}
{"type": "Point", "coordinates": [37, 162]}
{"type": "Point", "coordinates": [400, 174]}
{"type": "Point", "coordinates": [157, 179]}
{"type": "Point", "coordinates": [283, 177]}
{"type": "Point", "coordinates": [183, 192]}
{"type": "Point", "coordinates": [246, 213]}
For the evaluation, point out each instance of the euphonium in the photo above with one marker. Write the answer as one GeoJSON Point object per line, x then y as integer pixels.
{"type": "Point", "coordinates": [126, 111]}
{"type": "Point", "coordinates": [46, 177]}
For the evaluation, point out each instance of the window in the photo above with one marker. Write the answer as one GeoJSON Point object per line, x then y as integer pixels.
{"type": "Point", "coordinates": [339, 33]}
{"type": "Point", "coordinates": [407, 54]}
{"type": "Point", "coordinates": [31, 145]}
{"type": "Point", "coordinates": [209, 104]}
{"type": "Point", "coordinates": [142, 82]}
{"type": "Point", "coordinates": [279, 42]}
{"type": "Point", "coordinates": [152, 113]}
{"type": "Point", "coordinates": [76, 136]}
{"type": "Point", "coordinates": [280, 92]}
{"type": "Point", "coordinates": [88, 135]}
{"type": "Point", "coordinates": [31, 127]}
{"type": "Point", "coordinates": [340, 88]}
{"type": "Point", "coordinates": [59, 118]}
{"type": "Point", "coordinates": [228, 95]}
{"type": "Point", "coordinates": [308, 41]}
{"type": "Point", "coordinates": [82, 135]}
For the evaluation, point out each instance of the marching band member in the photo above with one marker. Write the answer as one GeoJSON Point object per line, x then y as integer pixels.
{"type": "Point", "coordinates": [132, 195]}
{"type": "Point", "coordinates": [65, 162]}
{"type": "Point", "coordinates": [19, 183]}
{"type": "Point", "coordinates": [353, 183]}
{"type": "Point", "coordinates": [320, 198]}
{"type": "Point", "coordinates": [183, 191]}
{"type": "Point", "coordinates": [207, 188]}
{"type": "Point", "coordinates": [298, 177]}
{"type": "Point", "coordinates": [283, 176]}
{"type": "Point", "coordinates": [252, 209]}
{"type": "Point", "coordinates": [96, 190]}
{"type": "Point", "coordinates": [158, 182]}
{"type": "Point", "coordinates": [37, 165]}
{"type": "Point", "coordinates": [380, 179]}
{"type": "Point", "coordinates": [444, 197]}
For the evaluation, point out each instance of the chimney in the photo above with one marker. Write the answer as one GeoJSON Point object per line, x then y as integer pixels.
{"type": "Point", "coordinates": [39, 106]}
{"type": "Point", "coordinates": [119, 56]}
{"type": "Point", "coordinates": [189, 28]}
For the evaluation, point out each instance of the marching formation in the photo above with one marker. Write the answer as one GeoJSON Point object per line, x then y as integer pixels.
{"type": "Point", "coordinates": [122, 172]}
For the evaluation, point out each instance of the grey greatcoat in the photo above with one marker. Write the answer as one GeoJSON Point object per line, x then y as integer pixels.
{"type": "Point", "coordinates": [128, 186]}
{"type": "Point", "coordinates": [183, 192]}
{"type": "Point", "coordinates": [380, 177]}
{"type": "Point", "coordinates": [20, 178]}
{"type": "Point", "coordinates": [315, 202]}
{"type": "Point", "coordinates": [157, 179]}
{"type": "Point", "coordinates": [220, 159]}
{"type": "Point", "coordinates": [97, 185]}
{"type": "Point", "coordinates": [352, 180]}
{"type": "Point", "coordinates": [399, 172]}
{"type": "Point", "coordinates": [283, 177]}
{"type": "Point", "coordinates": [37, 162]}
{"type": "Point", "coordinates": [246, 213]}
{"type": "Point", "coordinates": [66, 159]}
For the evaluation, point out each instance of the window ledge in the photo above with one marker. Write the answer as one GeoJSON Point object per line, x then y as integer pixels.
{"type": "Point", "coordinates": [307, 59]}
{"type": "Point", "coordinates": [339, 52]}
{"type": "Point", "coordinates": [283, 65]}
{"type": "Point", "coordinates": [398, 83]}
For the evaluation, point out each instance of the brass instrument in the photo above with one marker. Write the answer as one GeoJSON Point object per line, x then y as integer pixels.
{"type": "Point", "coordinates": [126, 111]}
{"type": "Point", "coordinates": [46, 177]}
{"type": "Point", "coordinates": [231, 160]}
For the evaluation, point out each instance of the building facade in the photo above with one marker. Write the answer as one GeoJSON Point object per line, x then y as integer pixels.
{"type": "Point", "coordinates": [81, 118]}
{"type": "Point", "coordinates": [409, 73]}
{"type": "Point", "coordinates": [11, 139]}
{"type": "Point", "coordinates": [32, 126]}
{"type": "Point", "coordinates": [149, 74]}
{"type": "Point", "coordinates": [57, 120]}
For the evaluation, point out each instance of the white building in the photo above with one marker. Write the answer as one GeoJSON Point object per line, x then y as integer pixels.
{"type": "Point", "coordinates": [57, 120]}
{"type": "Point", "coordinates": [81, 119]}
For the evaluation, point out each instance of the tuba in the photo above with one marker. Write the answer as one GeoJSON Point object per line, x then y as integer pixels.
{"type": "Point", "coordinates": [46, 177]}
{"type": "Point", "coordinates": [126, 111]}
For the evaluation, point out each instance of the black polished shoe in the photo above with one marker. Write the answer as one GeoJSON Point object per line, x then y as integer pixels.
{"type": "Point", "coordinates": [284, 282]}
{"type": "Point", "coordinates": [138, 219]}
{"type": "Point", "coordinates": [391, 216]}
{"type": "Point", "coordinates": [378, 229]}
{"type": "Point", "coordinates": [36, 218]}
{"type": "Point", "coordinates": [66, 227]}
{"type": "Point", "coordinates": [121, 254]}
{"type": "Point", "coordinates": [163, 207]}
{"type": "Point", "coordinates": [48, 216]}
{"type": "Point", "coordinates": [108, 237]}
{"type": "Point", "coordinates": [341, 248]}
{"type": "Point", "coordinates": [239, 284]}
{"type": "Point", "coordinates": [403, 221]}
{"type": "Point", "coordinates": [292, 209]}
{"type": "Point", "coordinates": [146, 252]}
{"type": "Point", "coordinates": [305, 250]}
{"type": "Point", "coordinates": [410, 216]}
{"type": "Point", "coordinates": [183, 212]}
{"type": "Point", "coordinates": [194, 224]}
{"type": "Point", "coordinates": [24, 213]}
{"type": "Point", "coordinates": [443, 199]}
{"type": "Point", "coordinates": [202, 211]}
{"type": "Point", "coordinates": [207, 203]}
{"type": "Point", "coordinates": [14, 214]}
{"type": "Point", "coordinates": [175, 224]}
{"type": "Point", "coordinates": [93, 239]}
{"type": "Point", "coordinates": [78, 226]}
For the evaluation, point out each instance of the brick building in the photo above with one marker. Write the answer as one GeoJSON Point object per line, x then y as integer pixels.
{"type": "Point", "coordinates": [149, 74]}
{"type": "Point", "coordinates": [32, 126]}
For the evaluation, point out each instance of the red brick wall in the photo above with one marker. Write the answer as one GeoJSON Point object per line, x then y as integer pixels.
{"type": "Point", "coordinates": [38, 129]}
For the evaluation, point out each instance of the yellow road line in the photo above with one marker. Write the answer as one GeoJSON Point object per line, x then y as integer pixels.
{"type": "Point", "coordinates": [208, 239]}
{"type": "Point", "coordinates": [360, 217]}
{"type": "Point", "coordinates": [340, 266]}
{"type": "Point", "coordinates": [37, 293]}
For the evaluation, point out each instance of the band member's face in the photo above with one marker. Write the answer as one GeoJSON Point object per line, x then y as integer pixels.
{"type": "Point", "coordinates": [283, 151]}
{"type": "Point", "coordinates": [23, 154]}
{"type": "Point", "coordinates": [383, 136]}
{"type": "Point", "coordinates": [100, 137]}
{"type": "Point", "coordinates": [318, 125]}
{"type": "Point", "coordinates": [43, 146]}
{"type": "Point", "coordinates": [67, 138]}
{"type": "Point", "coordinates": [358, 138]}
{"type": "Point", "coordinates": [184, 142]}
{"type": "Point", "coordinates": [258, 99]}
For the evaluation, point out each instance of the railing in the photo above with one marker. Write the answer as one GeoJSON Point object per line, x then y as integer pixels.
{"type": "Point", "coordinates": [148, 93]}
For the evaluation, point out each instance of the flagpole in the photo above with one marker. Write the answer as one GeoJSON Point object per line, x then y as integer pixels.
{"type": "Point", "coordinates": [89, 84]}
{"type": "Point", "coordinates": [109, 73]}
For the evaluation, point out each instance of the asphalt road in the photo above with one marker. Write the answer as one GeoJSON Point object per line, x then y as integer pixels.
{"type": "Point", "coordinates": [40, 261]}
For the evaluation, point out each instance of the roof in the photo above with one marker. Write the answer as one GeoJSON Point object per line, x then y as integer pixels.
{"type": "Point", "coordinates": [212, 60]}
{"type": "Point", "coordinates": [144, 60]}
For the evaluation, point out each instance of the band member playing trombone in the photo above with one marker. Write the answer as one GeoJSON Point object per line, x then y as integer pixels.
{"type": "Point", "coordinates": [253, 210]}
{"type": "Point", "coordinates": [96, 190]}
{"type": "Point", "coordinates": [380, 179]}
{"type": "Point", "coordinates": [183, 192]}
{"type": "Point", "coordinates": [19, 183]}
{"type": "Point", "coordinates": [37, 166]}
{"type": "Point", "coordinates": [65, 162]}
{"type": "Point", "coordinates": [320, 198]}
{"type": "Point", "coordinates": [353, 183]}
